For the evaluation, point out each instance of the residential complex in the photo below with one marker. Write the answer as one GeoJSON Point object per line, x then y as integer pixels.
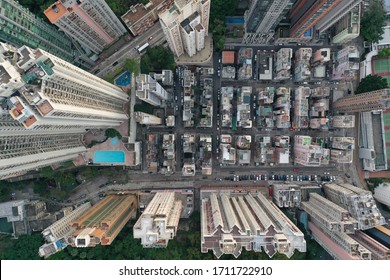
{"type": "Point", "coordinates": [141, 17]}
{"type": "Point", "coordinates": [90, 22]}
{"type": "Point", "coordinates": [186, 25]}
{"type": "Point", "coordinates": [101, 223]}
{"type": "Point", "coordinates": [150, 91]}
{"type": "Point", "coordinates": [359, 203]}
{"type": "Point", "coordinates": [232, 220]}
{"type": "Point", "coordinates": [159, 221]}
{"type": "Point", "coordinates": [262, 17]}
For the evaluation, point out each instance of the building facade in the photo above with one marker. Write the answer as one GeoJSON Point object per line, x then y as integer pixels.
{"type": "Point", "coordinates": [186, 25]}
{"type": "Point", "coordinates": [382, 194]}
{"type": "Point", "coordinates": [101, 223]}
{"type": "Point", "coordinates": [262, 18]}
{"type": "Point", "coordinates": [92, 23]}
{"type": "Point", "coordinates": [368, 101]}
{"type": "Point", "coordinates": [337, 13]}
{"type": "Point", "coordinates": [159, 221]}
{"type": "Point", "coordinates": [149, 90]}
{"type": "Point", "coordinates": [305, 14]}
{"type": "Point", "coordinates": [232, 220]}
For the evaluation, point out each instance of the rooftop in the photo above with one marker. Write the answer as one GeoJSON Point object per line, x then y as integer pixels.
{"type": "Point", "coordinates": [55, 12]}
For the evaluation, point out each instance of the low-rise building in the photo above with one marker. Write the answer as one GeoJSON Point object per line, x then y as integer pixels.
{"type": "Point", "coordinates": [234, 219]}
{"type": "Point", "coordinates": [308, 152]}
{"type": "Point", "coordinates": [301, 108]}
{"type": "Point", "coordinates": [169, 154]}
{"type": "Point", "coordinates": [343, 121]}
{"type": "Point", "coordinates": [243, 107]}
{"type": "Point", "coordinates": [302, 64]}
{"type": "Point", "coordinates": [346, 64]}
{"type": "Point", "coordinates": [282, 108]}
{"type": "Point", "coordinates": [159, 221]}
{"type": "Point", "coordinates": [144, 118]}
{"type": "Point", "coordinates": [283, 64]}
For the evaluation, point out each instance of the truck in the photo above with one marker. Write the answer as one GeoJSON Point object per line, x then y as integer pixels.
{"type": "Point", "coordinates": [143, 47]}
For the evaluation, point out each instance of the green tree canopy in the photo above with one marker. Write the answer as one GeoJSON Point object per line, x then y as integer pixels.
{"type": "Point", "coordinates": [373, 21]}
{"type": "Point", "coordinates": [132, 66]}
{"type": "Point", "coordinates": [384, 53]}
{"type": "Point", "coordinates": [156, 59]}
{"type": "Point", "coordinates": [371, 83]}
{"type": "Point", "coordinates": [111, 133]}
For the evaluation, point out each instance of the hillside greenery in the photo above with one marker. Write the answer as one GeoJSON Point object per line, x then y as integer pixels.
{"type": "Point", "coordinates": [371, 83]}
{"type": "Point", "coordinates": [156, 59]}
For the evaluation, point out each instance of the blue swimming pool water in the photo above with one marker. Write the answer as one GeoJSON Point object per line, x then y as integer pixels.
{"type": "Point", "coordinates": [109, 156]}
{"type": "Point", "coordinates": [114, 141]}
{"type": "Point", "coordinates": [124, 79]}
{"type": "Point", "coordinates": [234, 20]}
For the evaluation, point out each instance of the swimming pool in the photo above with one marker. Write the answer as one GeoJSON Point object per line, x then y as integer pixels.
{"type": "Point", "coordinates": [124, 79]}
{"type": "Point", "coordinates": [234, 20]}
{"type": "Point", "coordinates": [109, 157]}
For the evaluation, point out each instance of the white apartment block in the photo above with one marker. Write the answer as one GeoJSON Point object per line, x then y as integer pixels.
{"type": "Point", "coordinates": [359, 203]}
{"type": "Point", "coordinates": [186, 25]}
{"type": "Point", "coordinates": [338, 12]}
{"type": "Point", "coordinates": [10, 79]}
{"type": "Point", "coordinates": [144, 118]}
{"type": "Point", "coordinates": [233, 219]}
{"type": "Point", "coordinates": [382, 194]}
{"type": "Point", "coordinates": [90, 22]}
{"type": "Point", "coordinates": [149, 90]}
{"type": "Point", "coordinates": [59, 231]}
{"type": "Point", "coordinates": [58, 94]}
{"type": "Point", "coordinates": [159, 221]}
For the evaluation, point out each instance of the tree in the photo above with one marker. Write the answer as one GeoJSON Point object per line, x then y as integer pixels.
{"type": "Point", "coordinates": [373, 21]}
{"type": "Point", "coordinates": [371, 83]}
{"type": "Point", "coordinates": [384, 53]}
{"type": "Point", "coordinates": [111, 133]}
{"type": "Point", "coordinates": [132, 66]}
{"type": "Point", "coordinates": [40, 188]}
{"type": "Point", "coordinates": [156, 59]}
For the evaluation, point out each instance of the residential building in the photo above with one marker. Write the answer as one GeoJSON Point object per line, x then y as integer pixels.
{"type": "Point", "coordinates": [144, 118]}
{"type": "Point", "coordinates": [309, 152]}
{"type": "Point", "coordinates": [27, 150]}
{"type": "Point", "coordinates": [382, 194]}
{"type": "Point", "coordinates": [302, 64]}
{"type": "Point", "coordinates": [159, 221]}
{"type": "Point", "coordinates": [340, 246]}
{"type": "Point", "coordinates": [321, 56]}
{"type": "Point", "coordinates": [262, 18]}
{"type": "Point", "coordinates": [234, 219]}
{"type": "Point", "coordinates": [12, 214]}
{"type": "Point", "coordinates": [150, 91]}
{"type": "Point", "coordinates": [282, 108]}
{"type": "Point", "coordinates": [305, 14]}
{"type": "Point", "coordinates": [21, 27]}
{"type": "Point", "coordinates": [343, 121]}
{"type": "Point", "coordinates": [326, 214]}
{"type": "Point", "coordinates": [301, 108]}
{"type": "Point", "coordinates": [166, 77]}
{"type": "Point", "coordinates": [57, 234]}
{"type": "Point", "coordinates": [359, 203]}
{"type": "Point", "coordinates": [57, 93]}
{"type": "Point", "coordinates": [283, 64]}
{"type": "Point", "coordinates": [368, 101]}
{"type": "Point", "coordinates": [348, 27]}
{"type": "Point", "coordinates": [337, 13]}
{"type": "Point", "coordinates": [141, 17]}
{"type": "Point", "coordinates": [186, 25]}
{"type": "Point", "coordinates": [92, 23]}
{"type": "Point", "coordinates": [228, 57]}
{"type": "Point", "coordinates": [101, 223]}
{"type": "Point", "coordinates": [342, 149]}
{"type": "Point", "coordinates": [346, 64]}
{"type": "Point", "coordinates": [286, 195]}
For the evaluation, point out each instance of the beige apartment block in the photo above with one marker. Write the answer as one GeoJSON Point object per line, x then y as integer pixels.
{"type": "Point", "coordinates": [159, 221]}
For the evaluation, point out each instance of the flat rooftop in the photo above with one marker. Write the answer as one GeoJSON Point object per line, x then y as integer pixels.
{"type": "Point", "coordinates": [55, 12]}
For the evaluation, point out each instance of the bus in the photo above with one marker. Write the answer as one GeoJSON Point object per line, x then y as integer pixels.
{"type": "Point", "coordinates": [143, 47]}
